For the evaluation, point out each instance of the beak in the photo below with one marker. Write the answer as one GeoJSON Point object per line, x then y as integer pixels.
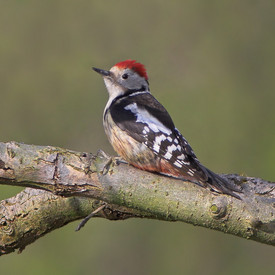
{"type": "Point", "coordinates": [102, 72]}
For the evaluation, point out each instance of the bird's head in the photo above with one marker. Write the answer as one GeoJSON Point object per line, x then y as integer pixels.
{"type": "Point", "coordinates": [124, 77]}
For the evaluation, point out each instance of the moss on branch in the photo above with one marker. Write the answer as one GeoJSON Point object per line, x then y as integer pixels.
{"type": "Point", "coordinates": [72, 184]}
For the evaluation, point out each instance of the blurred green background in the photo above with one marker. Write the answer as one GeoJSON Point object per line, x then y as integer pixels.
{"type": "Point", "coordinates": [211, 64]}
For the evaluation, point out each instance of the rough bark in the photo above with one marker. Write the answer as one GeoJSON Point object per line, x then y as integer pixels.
{"type": "Point", "coordinates": [74, 184]}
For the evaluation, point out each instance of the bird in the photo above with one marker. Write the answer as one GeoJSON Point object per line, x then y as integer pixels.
{"type": "Point", "coordinates": [143, 133]}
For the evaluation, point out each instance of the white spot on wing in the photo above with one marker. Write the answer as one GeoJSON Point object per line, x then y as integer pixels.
{"type": "Point", "coordinates": [177, 164]}
{"type": "Point", "coordinates": [156, 147]}
{"type": "Point", "coordinates": [172, 148]}
{"type": "Point", "coordinates": [160, 138]}
{"type": "Point", "coordinates": [158, 141]}
{"type": "Point", "coordinates": [146, 129]}
{"type": "Point", "coordinates": [144, 117]}
{"type": "Point", "coordinates": [191, 173]}
{"type": "Point", "coordinates": [168, 155]}
{"type": "Point", "coordinates": [181, 157]}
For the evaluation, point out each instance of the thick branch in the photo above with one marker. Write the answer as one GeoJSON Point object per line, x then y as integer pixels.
{"type": "Point", "coordinates": [33, 213]}
{"type": "Point", "coordinates": [140, 193]}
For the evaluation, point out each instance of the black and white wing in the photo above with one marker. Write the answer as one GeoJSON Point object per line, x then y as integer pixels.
{"type": "Point", "coordinates": [148, 122]}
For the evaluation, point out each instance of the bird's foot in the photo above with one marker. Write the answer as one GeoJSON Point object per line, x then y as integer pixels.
{"type": "Point", "coordinates": [112, 160]}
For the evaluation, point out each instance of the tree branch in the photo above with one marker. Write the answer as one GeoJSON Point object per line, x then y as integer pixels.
{"type": "Point", "coordinates": [76, 184]}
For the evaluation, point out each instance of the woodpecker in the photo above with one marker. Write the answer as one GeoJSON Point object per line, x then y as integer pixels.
{"type": "Point", "coordinates": [142, 132]}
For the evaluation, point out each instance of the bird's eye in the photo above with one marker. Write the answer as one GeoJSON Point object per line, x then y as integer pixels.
{"type": "Point", "coordinates": [125, 76]}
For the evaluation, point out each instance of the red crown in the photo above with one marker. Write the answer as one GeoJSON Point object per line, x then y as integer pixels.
{"type": "Point", "coordinates": [133, 65]}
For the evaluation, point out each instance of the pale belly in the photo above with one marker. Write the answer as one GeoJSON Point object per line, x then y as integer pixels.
{"type": "Point", "coordinates": [134, 152]}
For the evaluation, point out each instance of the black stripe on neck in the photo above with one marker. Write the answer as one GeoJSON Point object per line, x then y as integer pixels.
{"type": "Point", "coordinates": [129, 92]}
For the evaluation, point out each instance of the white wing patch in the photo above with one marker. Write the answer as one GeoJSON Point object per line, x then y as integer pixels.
{"type": "Point", "coordinates": [165, 143]}
{"type": "Point", "coordinates": [144, 117]}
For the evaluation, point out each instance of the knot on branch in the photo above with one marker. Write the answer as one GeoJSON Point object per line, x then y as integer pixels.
{"type": "Point", "coordinates": [5, 226]}
{"type": "Point", "coordinates": [218, 208]}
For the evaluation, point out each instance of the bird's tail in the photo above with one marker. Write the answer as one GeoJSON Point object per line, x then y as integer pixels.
{"type": "Point", "coordinates": [222, 185]}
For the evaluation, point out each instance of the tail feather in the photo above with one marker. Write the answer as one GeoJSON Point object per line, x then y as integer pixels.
{"type": "Point", "coordinates": [222, 185]}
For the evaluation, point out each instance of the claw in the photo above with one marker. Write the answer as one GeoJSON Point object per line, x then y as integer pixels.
{"type": "Point", "coordinates": [119, 160]}
{"type": "Point", "coordinates": [115, 160]}
{"type": "Point", "coordinates": [107, 166]}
